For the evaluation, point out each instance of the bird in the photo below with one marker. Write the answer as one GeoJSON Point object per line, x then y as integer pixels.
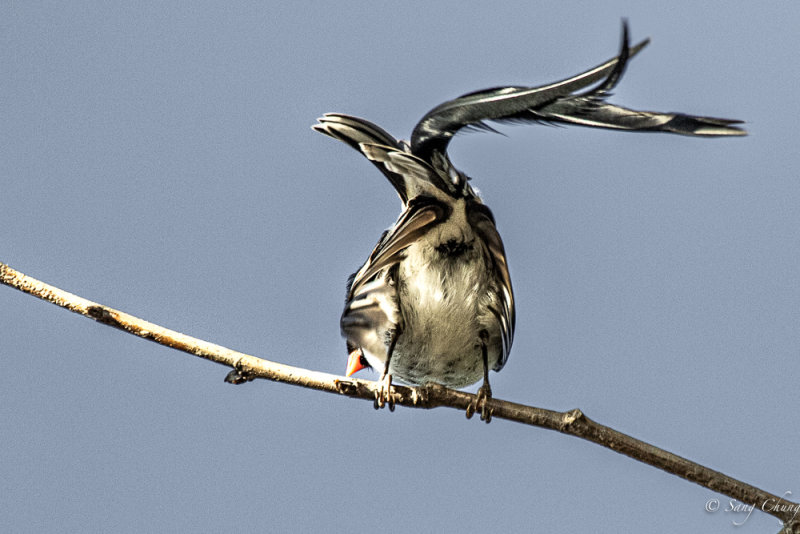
{"type": "Point", "coordinates": [433, 302]}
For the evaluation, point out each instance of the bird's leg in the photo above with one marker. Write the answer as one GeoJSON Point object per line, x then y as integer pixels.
{"type": "Point", "coordinates": [384, 390]}
{"type": "Point", "coordinates": [485, 391]}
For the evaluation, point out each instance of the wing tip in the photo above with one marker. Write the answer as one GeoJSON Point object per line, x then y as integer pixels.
{"type": "Point", "coordinates": [321, 125]}
{"type": "Point", "coordinates": [707, 126]}
{"type": "Point", "coordinates": [716, 131]}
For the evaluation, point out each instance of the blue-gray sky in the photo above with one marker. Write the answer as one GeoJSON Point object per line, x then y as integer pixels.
{"type": "Point", "coordinates": [157, 158]}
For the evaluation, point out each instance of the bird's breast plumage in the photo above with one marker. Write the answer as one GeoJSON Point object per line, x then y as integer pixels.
{"type": "Point", "coordinates": [443, 291]}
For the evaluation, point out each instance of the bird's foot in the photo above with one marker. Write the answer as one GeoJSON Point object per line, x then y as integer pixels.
{"type": "Point", "coordinates": [484, 394]}
{"type": "Point", "coordinates": [384, 394]}
{"type": "Point", "coordinates": [419, 395]}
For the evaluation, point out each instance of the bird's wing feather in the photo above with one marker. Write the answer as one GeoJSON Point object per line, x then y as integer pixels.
{"type": "Point", "coordinates": [557, 103]}
{"type": "Point", "coordinates": [418, 175]}
{"type": "Point", "coordinates": [482, 221]}
{"type": "Point", "coordinates": [585, 111]}
{"type": "Point", "coordinates": [368, 315]}
{"type": "Point", "coordinates": [356, 132]}
{"type": "Point", "coordinates": [421, 214]}
{"type": "Point", "coordinates": [372, 308]}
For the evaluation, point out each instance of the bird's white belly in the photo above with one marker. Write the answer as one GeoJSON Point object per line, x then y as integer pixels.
{"type": "Point", "coordinates": [442, 314]}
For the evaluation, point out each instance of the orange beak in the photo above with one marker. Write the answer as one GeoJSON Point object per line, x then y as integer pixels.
{"type": "Point", "coordinates": [354, 364]}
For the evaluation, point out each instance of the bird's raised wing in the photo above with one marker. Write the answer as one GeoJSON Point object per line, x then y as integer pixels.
{"type": "Point", "coordinates": [557, 103]}
{"type": "Point", "coordinates": [356, 132]}
{"type": "Point", "coordinates": [409, 175]}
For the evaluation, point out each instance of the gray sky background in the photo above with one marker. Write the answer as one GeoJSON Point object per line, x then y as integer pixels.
{"type": "Point", "coordinates": [157, 158]}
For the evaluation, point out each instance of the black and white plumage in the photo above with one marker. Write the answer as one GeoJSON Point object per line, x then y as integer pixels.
{"type": "Point", "coordinates": [434, 302]}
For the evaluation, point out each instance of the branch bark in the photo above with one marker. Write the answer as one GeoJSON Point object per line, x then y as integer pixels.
{"type": "Point", "coordinates": [573, 422]}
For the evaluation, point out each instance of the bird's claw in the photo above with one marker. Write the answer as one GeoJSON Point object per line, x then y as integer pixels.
{"type": "Point", "coordinates": [384, 394]}
{"type": "Point", "coordinates": [484, 394]}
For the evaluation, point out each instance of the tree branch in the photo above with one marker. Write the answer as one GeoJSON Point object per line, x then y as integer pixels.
{"type": "Point", "coordinates": [573, 422]}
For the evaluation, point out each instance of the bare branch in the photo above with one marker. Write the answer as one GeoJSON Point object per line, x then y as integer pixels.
{"type": "Point", "coordinates": [574, 422]}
